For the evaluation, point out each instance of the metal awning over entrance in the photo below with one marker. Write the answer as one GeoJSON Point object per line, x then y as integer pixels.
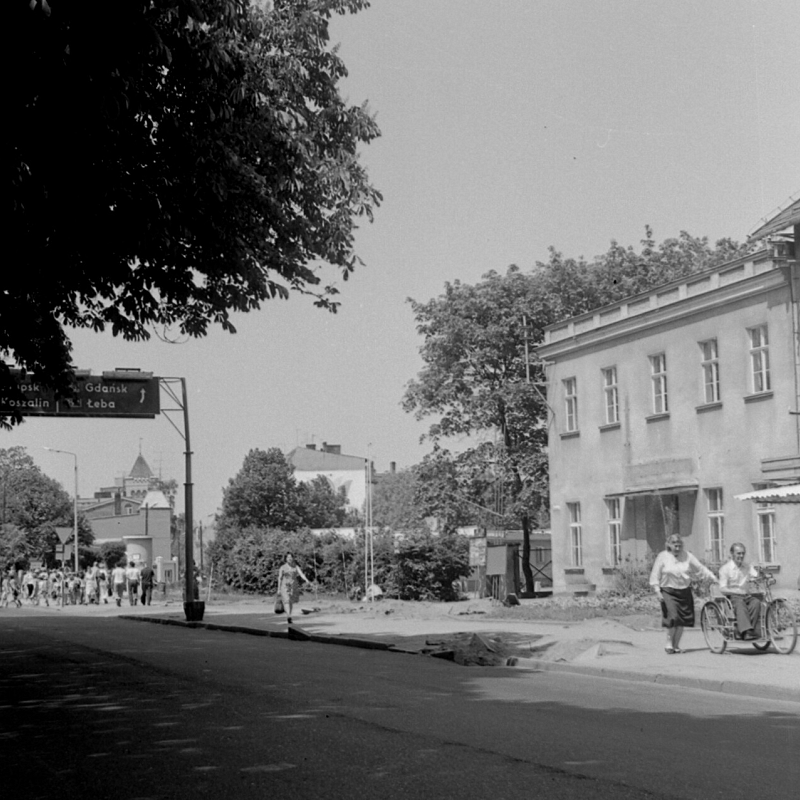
{"type": "Point", "coordinates": [777, 494]}
{"type": "Point", "coordinates": [652, 491]}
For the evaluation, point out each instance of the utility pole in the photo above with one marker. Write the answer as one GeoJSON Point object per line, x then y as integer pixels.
{"type": "Point", "coordinates": [200, 534]}
{"type": "Point", "coordinates": [74, 505]}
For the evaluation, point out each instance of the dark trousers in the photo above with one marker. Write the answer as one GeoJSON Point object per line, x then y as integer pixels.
{"type": "Point", "coordinates": [133, 592]}
{"type": "Point", "coordinates": [748, 612]}
{"type": "Point", "coordinates": [147, 593]}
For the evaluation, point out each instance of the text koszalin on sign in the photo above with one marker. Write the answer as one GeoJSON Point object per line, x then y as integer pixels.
{"type": "Point", "coordinates": [112, 394]}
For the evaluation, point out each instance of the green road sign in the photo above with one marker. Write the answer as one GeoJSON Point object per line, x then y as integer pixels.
{"type": "Point", "coordinates": [120, 393]}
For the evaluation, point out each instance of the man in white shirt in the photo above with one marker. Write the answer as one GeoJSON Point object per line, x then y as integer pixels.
{"type": "Point", "coordinates": [118, 581]}
{"type": "Point", "coordinates": [734, 581]}
{"type": "Point", "coordinates": [132, 574]}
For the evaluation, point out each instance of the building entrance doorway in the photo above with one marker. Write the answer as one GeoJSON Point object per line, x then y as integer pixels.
{"type": "Point", "coordinates": [651, 519]}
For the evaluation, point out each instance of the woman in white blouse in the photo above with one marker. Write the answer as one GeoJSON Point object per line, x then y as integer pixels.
{"type": "Point", "coordinates": [671, 579]}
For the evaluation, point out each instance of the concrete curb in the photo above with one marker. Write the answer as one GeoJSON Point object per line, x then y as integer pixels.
{"type": "Point", "coordinates": [297, 633]}
{"type": "Point", "coordinates": [738, 688]}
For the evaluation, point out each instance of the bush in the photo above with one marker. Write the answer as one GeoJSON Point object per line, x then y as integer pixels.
{"type": "Point", "coordinates": [249, 562]}
{"type": "Point", "coordinates": [426, 567]}
{"type": "Point", "coordinates": [632, 578]}
{"type": "Point", "coordinates": [418, 567]}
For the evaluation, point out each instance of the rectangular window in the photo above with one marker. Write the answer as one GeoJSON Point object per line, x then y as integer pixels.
{"type": "Point", "coordinates": [571, 404]}
{"type": "Point", "coordinates": [716, 525]}
{"type": "Point", "coordinates": [658, 376]}
{"type": "Point", "coordinates": [759, 358]}
{"type": "Point", "coordinates": [710, 358]}
{"type": "Point", "coordinates": [766, 534]}
{"type": "Point", "coordinates": [614, 522]}
{"type": "Point", "coordinates": [611, 395]}
{"type": "Point", "coordinates": [575, 534]}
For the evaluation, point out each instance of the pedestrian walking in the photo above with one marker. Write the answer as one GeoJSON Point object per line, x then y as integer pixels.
{"type": "Point", "coordinates": [76, 589]}
{"type": "Point", "coordinates": [9, 590]}
{"type": "Point", "coordinates": [118, 580]}
{"type": "Point", "coordinates": [148, 578]}
{"type": "Point", "coordinates": [42, 589]}
{"type": "Point", "coordinates": [671, 579]}
{"type": "Point", "coordinates": [29, 586]}
{"type": "Point", "coordinates": [104, 590]}
{"type": "Point", "coordinates": [289, 584]}
{"type": "Point", "coordinates": [90, 584]}
{"type": "Point", "coordinates": [133, 576]}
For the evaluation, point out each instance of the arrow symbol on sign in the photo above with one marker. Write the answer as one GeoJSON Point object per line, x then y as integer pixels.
{"type": "Point", "coordinates": [142, 393]}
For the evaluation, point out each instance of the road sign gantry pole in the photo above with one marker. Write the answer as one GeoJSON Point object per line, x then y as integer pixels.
{"type": "Point", "coordinates": [193, 609]}
{"type": "Point", "coordinates": [188, 501]}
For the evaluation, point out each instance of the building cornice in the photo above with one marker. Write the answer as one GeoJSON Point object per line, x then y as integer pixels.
{"type": "Point", "coordinates": [696, 295]}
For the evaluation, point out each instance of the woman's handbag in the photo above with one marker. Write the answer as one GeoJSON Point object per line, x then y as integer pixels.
{"type": "Point", "coordinates": [278, 605]}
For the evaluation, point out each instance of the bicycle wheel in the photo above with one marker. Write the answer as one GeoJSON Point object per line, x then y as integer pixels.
{"type": "Point", "coordinates": [713, 625]}
{"type": "Point", "coordinates": [762, 646]}
{"type": "Point", "coordinates": [781, 626]}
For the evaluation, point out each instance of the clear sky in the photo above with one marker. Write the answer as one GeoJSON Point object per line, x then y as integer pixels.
{"type": "Point", "coordinates": [508, 126]}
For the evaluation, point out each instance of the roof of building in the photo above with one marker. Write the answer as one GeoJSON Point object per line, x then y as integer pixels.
{"type": "Point", "coordinates": [785, 219]}
{"type": "Point", "coordinates": [97, 510]}
{"type": "Point", "coordinates": [304, 459]}
{"type": "Point", "coordinates": [155, 499]}
{"type": "Point", "coordinates": [777, 494]}
{"type": "Point", "coordinates": [140, 468]}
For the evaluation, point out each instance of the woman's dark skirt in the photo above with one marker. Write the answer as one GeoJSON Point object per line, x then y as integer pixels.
{"type": "Point", "coordinates": [677, 608]}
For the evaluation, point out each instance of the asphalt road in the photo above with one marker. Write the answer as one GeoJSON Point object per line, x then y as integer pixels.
{"type": "Point", "coordinates": [107, 707]}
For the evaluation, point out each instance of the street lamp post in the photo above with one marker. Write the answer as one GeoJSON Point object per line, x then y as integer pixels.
{"type": "Point", "coordinates": [74, 505]}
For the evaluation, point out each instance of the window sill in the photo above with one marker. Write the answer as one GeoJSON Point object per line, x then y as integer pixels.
{"type": "Point", "coordinates": [754, 398]}
{"type": "Point", "coordinates": [771, 567]}
{"type": "Point", "coordinates": [570, 434]}
{"type": "Point", "coordinates": [610, 570]}
{"type": "Point", "coordinates": [657, 417]}
{"type": "Point", "coordinates": [708, 407]}
{"type": "Point", "coordinates": [573, 571]}
{"type": "Point", "coordinates": [611, 426]}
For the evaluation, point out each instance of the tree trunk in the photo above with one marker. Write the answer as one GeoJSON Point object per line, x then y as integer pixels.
{"type": "Point", "coordinates": [526, 553]}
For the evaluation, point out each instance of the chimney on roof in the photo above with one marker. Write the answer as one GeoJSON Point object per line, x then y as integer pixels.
{"type": "Point", "coordinates": [336, 449]}
{"type": "Point", "coordinates": [311, 447]}
{"type": "Point", "coordinates": [392, 467]}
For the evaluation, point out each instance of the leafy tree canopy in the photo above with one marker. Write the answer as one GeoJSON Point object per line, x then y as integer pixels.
{"type": "Point", "coordinates": [394, 501]}
{"type": "Point", "coordinates": [112, 553]}
{"type": "Point", "coordinates": [173, 162]}
{"type": "Point", "coordinates": [263, 495]}
{"type": "Point", "coordinates": [479, 385]}
{"type": "Point", "coordinates": [35, 504]}
{"type": "Point", "coordinates": [320, 505]}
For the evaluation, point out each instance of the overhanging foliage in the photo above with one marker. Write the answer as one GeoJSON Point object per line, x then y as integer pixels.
{"type": "Point", "coordinates": [173, 162]}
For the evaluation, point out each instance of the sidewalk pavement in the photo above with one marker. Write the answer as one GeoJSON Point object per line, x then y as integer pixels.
{"type": "Point", "coordinates": [600, 647]}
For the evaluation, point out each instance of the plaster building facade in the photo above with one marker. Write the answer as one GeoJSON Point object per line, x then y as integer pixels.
{"type": "Point", "coordinates": [139, 516]}
{"type": "Point", "coordinates": [666, 406]}
{"type": "Point", "coordinates": [343, 472]}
